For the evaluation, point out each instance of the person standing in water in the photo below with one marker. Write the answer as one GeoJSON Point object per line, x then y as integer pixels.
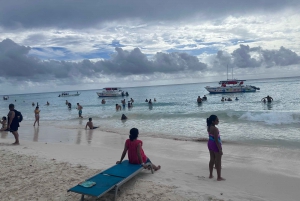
{"type": "Point", "coordinates": [269, 99]}
{"type": "Point", "coordinates": [214, 145]}
{"type": "Point", "coordinates": [37, 116]}
{"type": "Point", "coordinates": [79, 108]}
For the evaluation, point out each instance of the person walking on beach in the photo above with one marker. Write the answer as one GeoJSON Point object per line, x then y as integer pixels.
{"type": "Point", "coordinates": [136, 153]}
{"type": "Point", "coordinates": [214, 145]}
{"type": "Point", "coordinates": [90, 124]}
{"type": "Point", "coordinates": [37, 116]}
{"type": "Point", "coordinates": [79, 108]}
{"type": "Point", "coordinates": [13, 123]}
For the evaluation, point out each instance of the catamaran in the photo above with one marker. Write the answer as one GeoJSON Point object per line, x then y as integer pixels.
{"type": "Point", "coordinates": [112, 92]}
{"type": "Point", "coordinates": [231, 86]}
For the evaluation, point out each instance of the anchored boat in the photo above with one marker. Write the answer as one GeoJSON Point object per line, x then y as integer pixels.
{"type": "Point", "coordinates": [67, 94]}
{"type": "Point", "coordinates": [112, 92]}
{"type": "Point", "coordinates": [231, 86]}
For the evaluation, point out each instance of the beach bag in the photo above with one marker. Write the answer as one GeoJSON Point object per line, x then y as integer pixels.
{"type": "Point", "coordinates": [19, 115]}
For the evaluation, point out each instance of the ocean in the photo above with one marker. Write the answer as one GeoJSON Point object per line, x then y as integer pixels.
{"type": "Point", "coordinates": [177, 115]}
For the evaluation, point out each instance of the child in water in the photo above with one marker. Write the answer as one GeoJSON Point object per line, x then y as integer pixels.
{"type": "Point", "coordinates": [136, 153]}
{"type": "Point", "coordinates": [214, 145]}
{"type": "Point", "coordinates": [4, 124]}
{"type": "Point", "coordinates": [90, 124]}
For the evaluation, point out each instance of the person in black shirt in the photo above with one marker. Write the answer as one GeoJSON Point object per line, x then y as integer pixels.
{"type": "Point", "coordinates": [13, 123]}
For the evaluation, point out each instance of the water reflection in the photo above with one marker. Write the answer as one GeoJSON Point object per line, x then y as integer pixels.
{"type": "Point", "coordinates": [267, 106]}
{"type": "Point", "coordinates": [78, 140]}
{"type": "Point", "coordinates": [150, 107]}
{"type": "Point", "coordinates": [4, 134]}
{"type": "Point", "coordinates": [80, 121]}
{"type": "Point", "coordinates": [89, 136]}
{"type": "Point", "coordinates": [36, 134]}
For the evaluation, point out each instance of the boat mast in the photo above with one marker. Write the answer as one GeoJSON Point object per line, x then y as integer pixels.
{"type": "Point", "coordinates": [227, 71]}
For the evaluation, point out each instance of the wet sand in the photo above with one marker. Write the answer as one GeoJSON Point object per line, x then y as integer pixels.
{"type": "Point", "coordinates": [51, 160]}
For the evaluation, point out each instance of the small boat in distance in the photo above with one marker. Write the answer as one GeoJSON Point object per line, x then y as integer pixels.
{"type": "Point", "coordinates": [67, 94]}
{"type": "Point", "coordinates": [231, 86]}
{"type": "Point", "coordinates": [112, 92]}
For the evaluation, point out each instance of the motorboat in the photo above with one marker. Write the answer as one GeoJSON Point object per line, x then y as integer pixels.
{"type": "Point", "coordinates": [231, 86]}
{"type": "Point", "coordinates": [67, 94]}
{"type": "Point", "coordinates": [112, 92]}
{"type": "Point", "coordinates": [5, 97]}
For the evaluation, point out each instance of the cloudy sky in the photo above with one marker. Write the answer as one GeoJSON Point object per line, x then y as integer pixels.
{"type": "Point", "coordinates": [72, 45]}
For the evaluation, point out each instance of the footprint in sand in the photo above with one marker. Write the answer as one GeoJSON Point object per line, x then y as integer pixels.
{"type": "Point", "coordinates": [201, 177]}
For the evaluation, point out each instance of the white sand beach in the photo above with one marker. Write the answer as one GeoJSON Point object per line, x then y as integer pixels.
{"type": "Point", "coordinates": [45, 170]}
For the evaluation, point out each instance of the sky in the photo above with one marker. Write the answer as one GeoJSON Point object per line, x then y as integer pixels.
{"type": "Point", "coordinates": [65, 45]}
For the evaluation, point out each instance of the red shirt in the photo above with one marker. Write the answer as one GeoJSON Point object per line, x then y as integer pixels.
{"type": "Point", "coordinates": [132, 151]}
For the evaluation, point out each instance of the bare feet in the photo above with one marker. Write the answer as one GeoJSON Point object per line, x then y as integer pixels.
{"type": "Point", "coordinates": [210, 176]}
{"type": "Point", "coordinates": [157, 168]}
{"type": "Point", "coordinates": [16, 143]}
{"type": "Point", "coordinates": [221, 179]}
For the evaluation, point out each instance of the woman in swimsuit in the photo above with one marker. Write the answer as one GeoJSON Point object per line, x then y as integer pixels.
{"type": "Point", "coordinates": [214, 145]}
{"type": "Point", "coordinates": [37, 116]}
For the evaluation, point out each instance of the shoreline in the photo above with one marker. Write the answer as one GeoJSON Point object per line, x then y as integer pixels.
{"type": "Point", "coordinates": [251, 174]}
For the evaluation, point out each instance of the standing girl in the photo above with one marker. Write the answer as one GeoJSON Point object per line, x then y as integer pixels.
{"type": "Point", "coordinates": [214, 145]}
{"type": "Point", "coordinates": [136, 153]}
{"type": "Point", "coordinates": [37, 116]}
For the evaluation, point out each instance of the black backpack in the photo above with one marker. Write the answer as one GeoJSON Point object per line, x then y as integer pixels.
{"type": "Point", "coordinates": [18, 115]}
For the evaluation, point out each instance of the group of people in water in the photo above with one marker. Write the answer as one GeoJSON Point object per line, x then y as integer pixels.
{"type": "Point", "coordinates": [228, 99]}
{"type": "Point", "coordinates": [199, 99]}
{"type": "Point", "coordinates": [268, 99]}
{"type": "Point", "coordinates": [150, 101]}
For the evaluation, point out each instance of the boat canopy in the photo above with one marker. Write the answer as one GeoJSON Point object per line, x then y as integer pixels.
{"type": "Point", "coordinates": [232, 82]}
{"type": "Point", "coordinates": [111, 88]}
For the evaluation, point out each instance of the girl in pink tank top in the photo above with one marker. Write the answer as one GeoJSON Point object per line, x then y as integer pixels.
{"type": "Point", "coordinates": [136, 153]}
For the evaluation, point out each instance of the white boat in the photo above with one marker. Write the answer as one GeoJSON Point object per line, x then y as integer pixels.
{"type": "Point", "coordinates": [231, 86]}
{"type": "Point", "coordinates": [67, 94]}
{"type": "Point", "coordinates": [112, 92]}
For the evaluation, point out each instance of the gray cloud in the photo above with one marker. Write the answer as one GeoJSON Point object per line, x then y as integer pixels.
{"type": "Point", "coordinates": [246, 57]}
{"type": "Point", "coordinates": [15, 64]}
{"type": "Point", "coordinates": [82, 14]}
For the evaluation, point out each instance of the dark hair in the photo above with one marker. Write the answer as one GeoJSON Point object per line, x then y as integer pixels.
{"type": "Point", "coordinates": [4, 117]}
{"type": "Point", "coordinates": [11, 106]}
{"type": "Point", "coordinates": [37, 107]}
{"type": "Point", "coordinates": [134, 133]}
{"type": "Point", "coordinates": [211, 119]}
{"type": "Point", "coordinates": [90, 119]}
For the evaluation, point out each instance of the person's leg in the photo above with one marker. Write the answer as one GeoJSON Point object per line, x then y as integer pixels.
{"type": "Point", "coordinates": [218, 165]}
{"type": "Point", "coordinates": [155, 168]}
{"type": "Point", "coordinates": [211, 163]}
{"type": "Point", "coordinates": [38, 120]}
{"type": "Point", "coordinates": [16, 135]}
{"type": "Point", "coordinates": [35, 121]}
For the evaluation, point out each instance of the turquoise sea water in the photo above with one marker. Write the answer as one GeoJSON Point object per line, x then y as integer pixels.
{"type": "Point", "coordinates": [176, 113]}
